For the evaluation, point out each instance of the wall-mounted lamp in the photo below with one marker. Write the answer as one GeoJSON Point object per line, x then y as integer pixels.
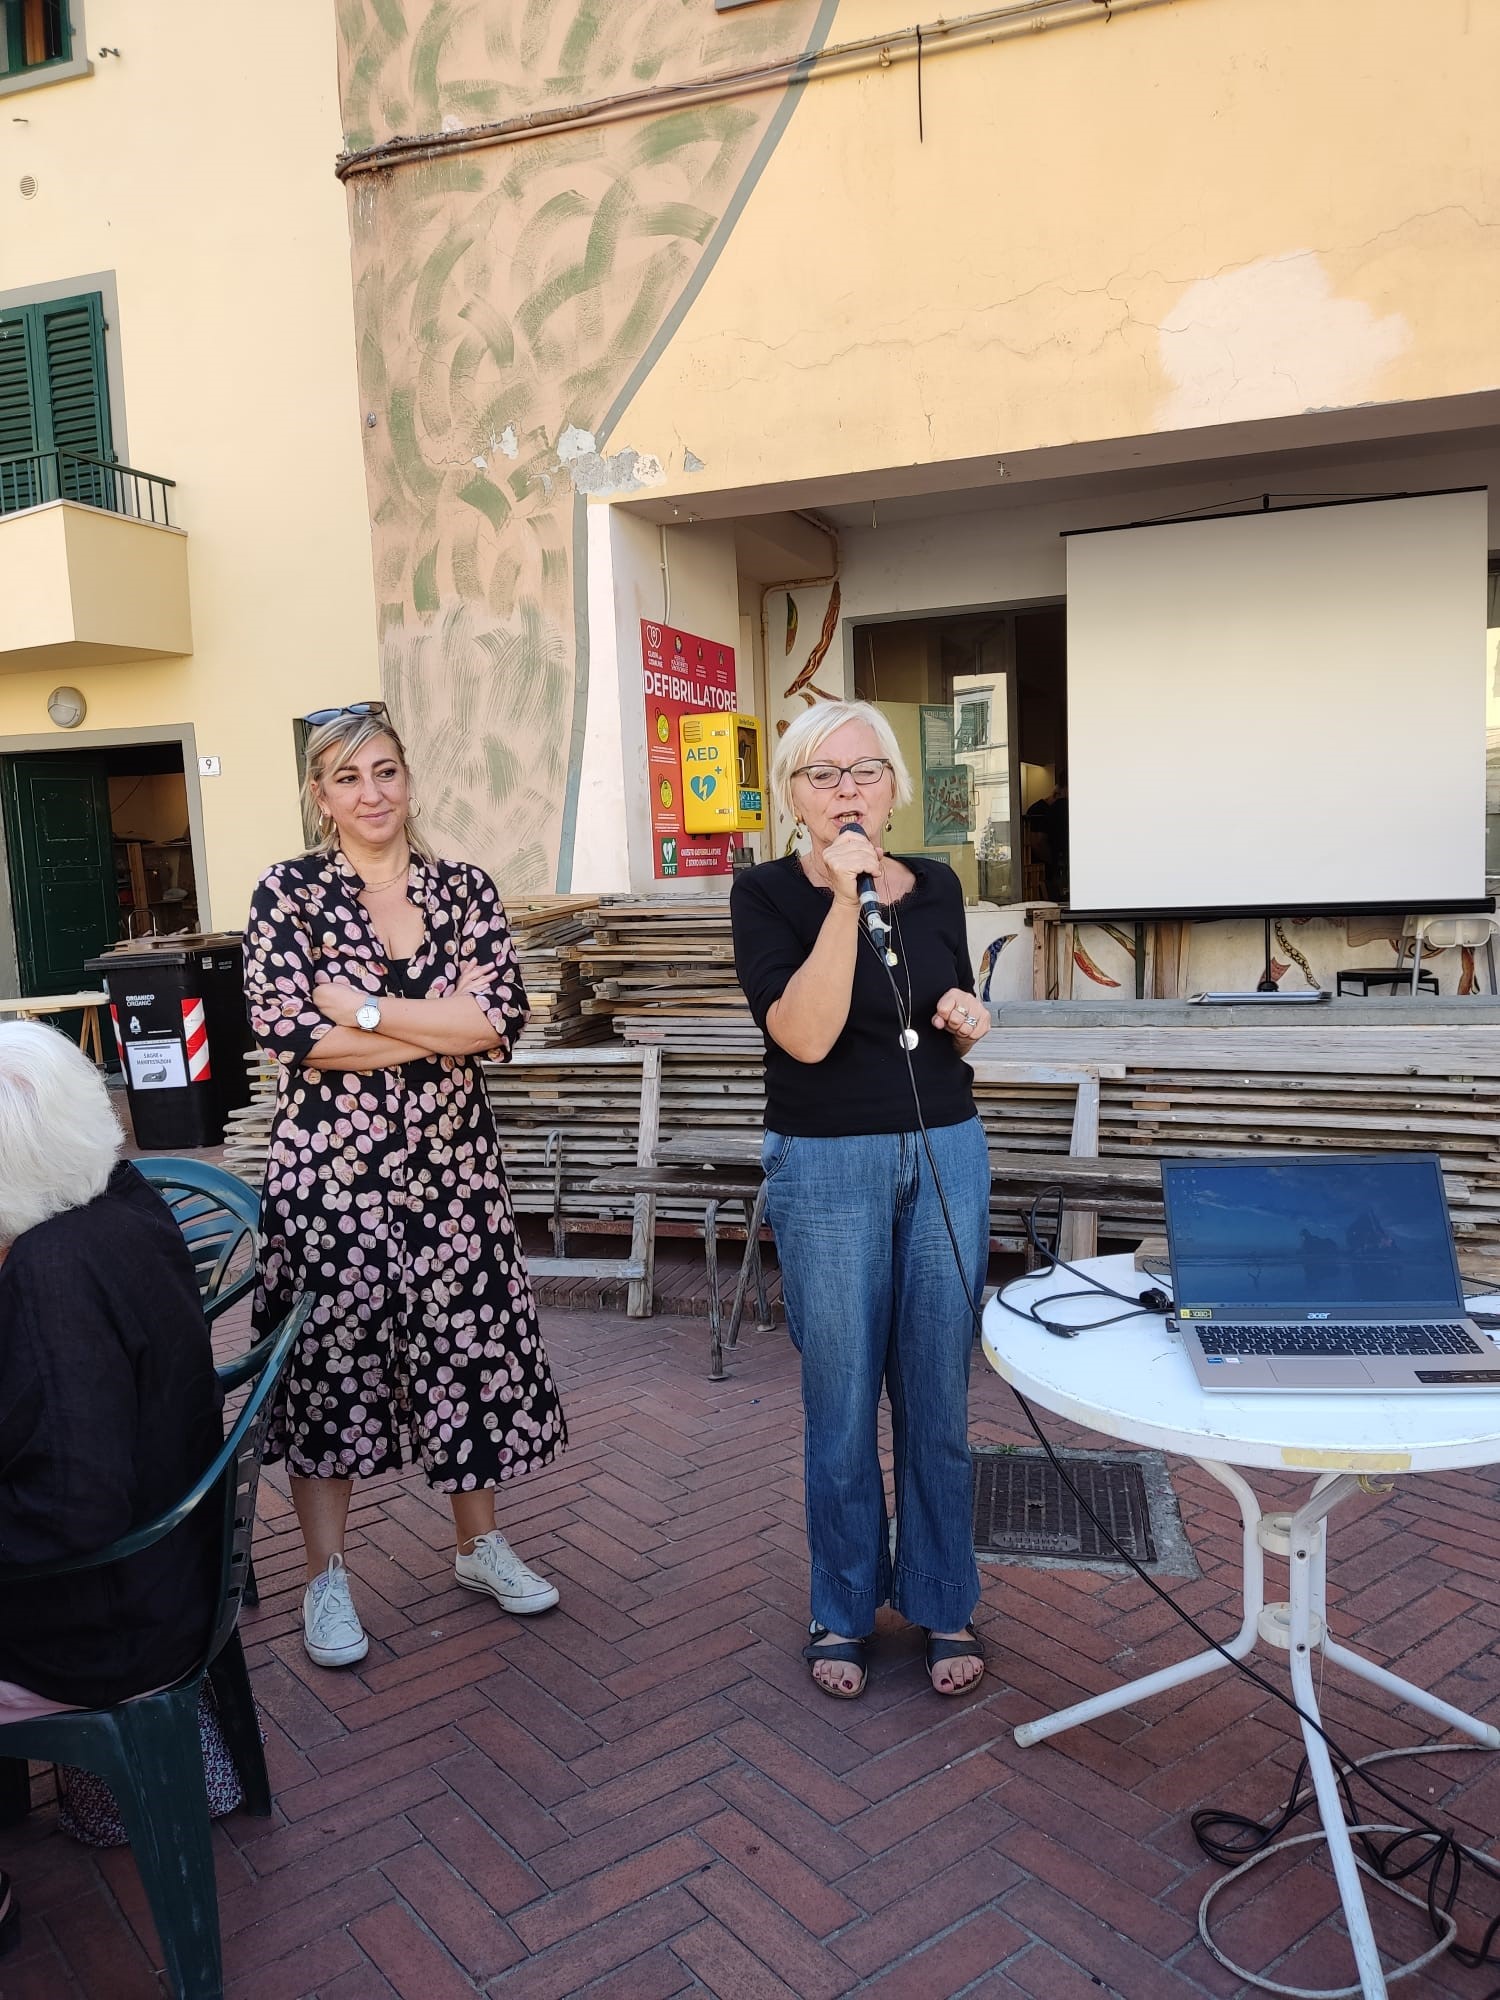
{"type": "Point", "coordinates": [67, 707]}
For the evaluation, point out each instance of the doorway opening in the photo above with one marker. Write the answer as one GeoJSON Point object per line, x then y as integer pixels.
{"type": "Point", "coordinates": [978, 701]}
{"type": "Point", "coordinates": [98, 849]}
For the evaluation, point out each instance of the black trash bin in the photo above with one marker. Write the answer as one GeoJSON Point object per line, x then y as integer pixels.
{"type": "Point", "coordinates": [180, 1028]}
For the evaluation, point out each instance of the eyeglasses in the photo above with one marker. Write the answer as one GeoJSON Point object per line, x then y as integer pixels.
{"type": "Point", "coordinates": [318, 716]}
{"type": "Point", "coordinates": [825, 777]}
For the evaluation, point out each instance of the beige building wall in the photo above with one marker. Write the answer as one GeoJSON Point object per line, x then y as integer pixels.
{"type": "Point", "coordinates": [1085, 238]}
{"type": "Point", "coordinates": [194, 172]}
{"type": "Point", "coordinates": [1204, 212]}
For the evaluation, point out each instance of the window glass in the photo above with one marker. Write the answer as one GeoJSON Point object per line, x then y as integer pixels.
{"type": "Point", "coordinates": [977, 701]}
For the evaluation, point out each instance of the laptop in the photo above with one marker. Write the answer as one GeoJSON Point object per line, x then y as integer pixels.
{"type": "Point", "coordinates": [1331, 1272]}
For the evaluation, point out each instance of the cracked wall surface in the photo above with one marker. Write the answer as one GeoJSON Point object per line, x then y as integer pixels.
{"type": "Point", "coordinates": [1206, 212]}
{"type": "Point", "coordinates": [503, 299]}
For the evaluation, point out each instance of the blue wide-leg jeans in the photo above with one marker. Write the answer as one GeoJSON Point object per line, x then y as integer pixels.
{"type": "Point", "coordinates": [874, 1296]}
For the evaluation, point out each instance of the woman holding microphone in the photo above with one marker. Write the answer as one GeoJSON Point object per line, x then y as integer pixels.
{"type": "Point", "coordinates": [865, 1072]}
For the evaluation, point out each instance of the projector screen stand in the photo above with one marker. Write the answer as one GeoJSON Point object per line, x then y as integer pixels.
{"type": "Point", "coordinates": [1267, 983]}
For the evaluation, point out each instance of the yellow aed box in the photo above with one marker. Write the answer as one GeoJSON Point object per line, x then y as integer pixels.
{"type": "Point", "coordinates": [723, 790]}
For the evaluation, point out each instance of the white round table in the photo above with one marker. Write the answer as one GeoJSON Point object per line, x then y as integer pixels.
{"type": "Point", "coordinates": [1134, 1381]}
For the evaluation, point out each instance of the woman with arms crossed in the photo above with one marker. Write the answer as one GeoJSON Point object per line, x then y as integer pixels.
{"type": "Point", "coordinates": [376, 975]}
{"type": "Point", "coordinates": [873, 1293]}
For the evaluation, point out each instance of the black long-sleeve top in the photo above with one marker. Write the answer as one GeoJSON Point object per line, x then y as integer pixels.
{"type": "Point", "coordinates": [862, 1085]}
{"type": "Point", "coordinates": [109, 1410]}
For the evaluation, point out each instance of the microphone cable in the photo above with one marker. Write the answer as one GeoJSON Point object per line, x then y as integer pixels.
{"type": "Point", "coordinates": [1242, 1839]}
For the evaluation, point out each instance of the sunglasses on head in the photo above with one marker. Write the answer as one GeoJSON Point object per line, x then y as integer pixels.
{"type": "Point", "coordinates": [318, 716]}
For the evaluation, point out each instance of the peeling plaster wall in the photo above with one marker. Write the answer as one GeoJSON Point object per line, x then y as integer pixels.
{"type": "Point", "coordinates": [1200, 213]}
{"type": "Point", "coordinates": [504, 301]}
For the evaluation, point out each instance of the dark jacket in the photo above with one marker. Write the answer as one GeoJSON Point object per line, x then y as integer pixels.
{"type": "Point", "coordinates": [109, 1410]}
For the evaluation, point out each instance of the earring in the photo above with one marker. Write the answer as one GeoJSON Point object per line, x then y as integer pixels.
{"type": "Point", "coordinates": [413, 812]}
{"type": "Point", "coordinates": [325, 821]}
{"type": "Point", "coordinates": [800, 829]}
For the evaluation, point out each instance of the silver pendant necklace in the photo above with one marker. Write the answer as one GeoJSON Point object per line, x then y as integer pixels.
{"type": "Point", "coordinates": [908, 1037]}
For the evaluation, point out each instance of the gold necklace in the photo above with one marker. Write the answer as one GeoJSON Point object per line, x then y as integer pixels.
{"type": "Point", "coordinates": [390, 882]}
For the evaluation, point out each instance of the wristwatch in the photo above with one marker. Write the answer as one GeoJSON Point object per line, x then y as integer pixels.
{"type": "Point", "coordinates": [368, 1017]}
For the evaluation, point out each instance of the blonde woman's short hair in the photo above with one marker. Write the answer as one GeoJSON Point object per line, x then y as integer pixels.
{"type": "Point", "coordinates": [328, 746]}
{"type": "Point", "coordinates": [59, 1137]}
{"type": "Point", "coordinates": [812, 728]}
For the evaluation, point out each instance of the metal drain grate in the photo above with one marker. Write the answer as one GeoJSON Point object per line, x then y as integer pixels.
{"type": "Point", "coordinates": [1022, 1507]}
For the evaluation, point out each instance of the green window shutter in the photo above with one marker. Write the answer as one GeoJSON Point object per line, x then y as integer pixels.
{"type": "Point", "coordinates": [75, 399]}
{"type": "Point", "coordinates": [54, 397]}
{"type": "Point", "coordinates": [19, 481]}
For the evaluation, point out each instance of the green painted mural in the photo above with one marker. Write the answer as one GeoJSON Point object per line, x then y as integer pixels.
{"type": "Point", "coordinates": [509, 297]}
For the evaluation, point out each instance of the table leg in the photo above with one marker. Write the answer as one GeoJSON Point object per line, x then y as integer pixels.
{"type": "Point", "coordinates": [1253, 1598]}
{"type": "Point", "coordinates": [764, 1322]}
{"type": "Point", "coordinates": [88, 1034]}
{"type": "Point", "coordinates": [750, 1266]}
{"type": "Point", "coordinates": [1307, 1538]}
{"type": "Point", "coordinates": [715, 1317]}
{"type": "Point", "coordinates": [1345, 1656]}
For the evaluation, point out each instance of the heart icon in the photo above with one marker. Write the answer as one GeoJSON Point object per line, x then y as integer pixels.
{"type": "Point", "coordinates": [703, 785]}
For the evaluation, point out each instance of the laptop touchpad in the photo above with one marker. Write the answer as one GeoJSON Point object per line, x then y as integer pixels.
{"type": "Point", "coordinates": [1302, 1374]}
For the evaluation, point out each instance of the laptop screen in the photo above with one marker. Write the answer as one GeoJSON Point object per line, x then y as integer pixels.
{"type": "Point", "coordinates": [1334, 1235]}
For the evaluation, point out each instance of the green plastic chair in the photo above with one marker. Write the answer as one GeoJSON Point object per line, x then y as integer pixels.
{"type": "Point", "coordinates": [148, 1749]}
{"type": "Point", "coordinates": [219, 1216]}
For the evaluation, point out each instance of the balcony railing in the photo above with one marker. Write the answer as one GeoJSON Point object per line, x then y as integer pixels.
{"type": "Point", "coordinates": [40, 476]}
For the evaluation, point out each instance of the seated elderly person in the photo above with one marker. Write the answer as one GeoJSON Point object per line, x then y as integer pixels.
{"type": "Point", "coordinates": [109, 1405]}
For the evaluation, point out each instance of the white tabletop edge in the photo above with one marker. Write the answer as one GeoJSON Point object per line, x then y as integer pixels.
{"type": "Point", "coordinates": [1134, 1382]}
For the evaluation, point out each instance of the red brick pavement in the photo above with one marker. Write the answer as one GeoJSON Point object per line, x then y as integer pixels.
{"type": "Point", "coordinates": [641, 1795]}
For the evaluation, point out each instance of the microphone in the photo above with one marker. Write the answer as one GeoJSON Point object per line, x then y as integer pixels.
{"type": "Point", "coordinates": [869, 902]}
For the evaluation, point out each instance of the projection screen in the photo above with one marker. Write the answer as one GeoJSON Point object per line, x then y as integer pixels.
{"type": "Point", "coordinates": [1284, 709]}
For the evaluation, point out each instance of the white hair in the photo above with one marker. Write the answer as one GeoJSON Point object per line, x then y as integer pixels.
{"type": "Point", "coordinates": [59, 1137]}
{"type": "Point", "coordinates": [811, 730]}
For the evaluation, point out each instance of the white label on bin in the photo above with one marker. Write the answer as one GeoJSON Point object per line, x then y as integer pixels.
{"type": "Point", "coordinates": [156, 1065]}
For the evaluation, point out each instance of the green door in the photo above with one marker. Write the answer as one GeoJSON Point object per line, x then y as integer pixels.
{"type": "Point", "coordinates": [62, 873]}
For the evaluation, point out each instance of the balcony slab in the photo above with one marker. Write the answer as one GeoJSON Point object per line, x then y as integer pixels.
{"type": "Point", "coordinates": [83, 587]}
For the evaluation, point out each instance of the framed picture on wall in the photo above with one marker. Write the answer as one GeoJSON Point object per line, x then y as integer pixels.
{"type": "Point", "coordinates": [947, 807]}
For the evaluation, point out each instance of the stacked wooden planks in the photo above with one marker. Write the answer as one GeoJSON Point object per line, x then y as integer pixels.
{"type": "Point", "coordinates": [544, 929]}
{"type": "Point", "coordinates": [1175, 1081]}
{"type": "Point", "coordinates": [662, 960]}
{"type": "Point", "coordinates": [1342, 1085]}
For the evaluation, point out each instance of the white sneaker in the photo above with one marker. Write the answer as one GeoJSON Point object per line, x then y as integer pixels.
{"type": "Point", "coordinates": [331, 1630]}
{"type": "Point", "coordinates": [494, 1566]}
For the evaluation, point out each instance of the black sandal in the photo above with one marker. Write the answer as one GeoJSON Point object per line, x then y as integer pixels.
{"type": "Point", "coordinates": [847, 1652]}
{"type": "Point", "coordinates": [968, 1648]}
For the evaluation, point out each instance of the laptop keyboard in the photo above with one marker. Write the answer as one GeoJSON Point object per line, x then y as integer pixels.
{"type": "Point", "coordinates": [1442, 1337]}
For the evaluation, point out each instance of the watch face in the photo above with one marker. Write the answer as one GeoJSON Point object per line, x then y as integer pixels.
{"type": "Point", "coordinates": [368, 1015]}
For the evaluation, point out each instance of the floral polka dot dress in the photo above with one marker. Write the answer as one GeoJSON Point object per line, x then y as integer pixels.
{"type": "Point", "coordinates": [385, 1198]}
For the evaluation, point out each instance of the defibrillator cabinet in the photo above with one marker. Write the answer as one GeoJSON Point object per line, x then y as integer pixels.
{"type": "Point", "coordinates": [723, 787]}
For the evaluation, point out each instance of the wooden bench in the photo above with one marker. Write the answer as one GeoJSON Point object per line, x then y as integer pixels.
{"type": "Point", "coordinates": [639, 1267]}
{"type": "Point", "coordinates": [723, 1167]}
{"type": "Point", "coordinates": [686, 1174]}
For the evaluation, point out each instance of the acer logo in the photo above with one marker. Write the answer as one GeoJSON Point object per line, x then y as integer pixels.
{"type": "Point", "coordinates": [1320, 1315]}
